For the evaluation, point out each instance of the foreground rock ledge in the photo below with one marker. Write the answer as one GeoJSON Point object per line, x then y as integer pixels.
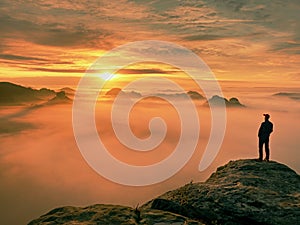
{"type": "Point", "coordinates": [110, 215]}
{"type": "Point", "coordinates": [243, 192]}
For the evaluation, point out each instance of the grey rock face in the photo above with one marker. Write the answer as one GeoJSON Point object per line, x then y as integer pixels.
{"type": "Point", "coordinates": [110, 215]}
{"type": "Point", "coordinates": [241, 192]}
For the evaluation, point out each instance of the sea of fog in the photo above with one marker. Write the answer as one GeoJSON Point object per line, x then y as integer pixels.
{"type": "Point", "coordinates": [42, 167]}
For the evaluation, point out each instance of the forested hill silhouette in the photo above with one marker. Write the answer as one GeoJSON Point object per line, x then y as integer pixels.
{"type": "Point", "coordinates": [242, 192]}
{"type": "Point", "coordinates": [13, 94]}
{"type": "Point", "coordinates": [60, 98]}
{"type": "Point", "coordinates": [213, 101]}
{"type": "Point", "coordinates": [218, 101]}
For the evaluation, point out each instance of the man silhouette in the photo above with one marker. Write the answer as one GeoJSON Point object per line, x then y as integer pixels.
{"type": "Point", "coordinates": [266, 128]}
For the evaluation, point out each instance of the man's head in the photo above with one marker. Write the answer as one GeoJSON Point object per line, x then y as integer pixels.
{"type": "Point", "coordinates": [267, 116]}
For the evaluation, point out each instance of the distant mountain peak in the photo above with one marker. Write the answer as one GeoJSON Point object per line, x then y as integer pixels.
{"type": "Point", "coordinates": [219, 101]}
{"type": "Point", "coordinates": [60, 98]}
{"type": "Point", "coordinates": [195, 95]}
{"type": "Point", "coordinates": [291, 95]}
{"type": "Point", "coordinates": [13, 94]}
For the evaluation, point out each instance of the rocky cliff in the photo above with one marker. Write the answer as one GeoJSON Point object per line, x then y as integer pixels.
{"type": "Point", "coordinates": [241, 192]}
{"type": "Point", "coordinates": [244, 192]}
{"type": "Point", "coordinates": [110, 215]}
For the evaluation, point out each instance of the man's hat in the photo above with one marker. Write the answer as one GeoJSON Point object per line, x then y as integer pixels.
{"type": "Point", "coordinates": [266, 115]}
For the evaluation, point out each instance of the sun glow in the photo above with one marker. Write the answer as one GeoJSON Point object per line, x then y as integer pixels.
{"type": "Point", "coordinates": [107, 76]}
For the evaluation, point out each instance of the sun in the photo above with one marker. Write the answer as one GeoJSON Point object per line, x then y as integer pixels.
{"type": "Point", "coordinates": [107, 76]}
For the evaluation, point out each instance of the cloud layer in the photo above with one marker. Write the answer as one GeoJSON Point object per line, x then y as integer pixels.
{"type": "Point", "coordinates": [238, 39]}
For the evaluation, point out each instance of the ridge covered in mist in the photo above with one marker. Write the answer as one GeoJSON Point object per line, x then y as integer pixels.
{"type": "Point", "coordinates": [213, 101]}
{"type": "Point", "coordinates": [13, 94]}
{"type": "Point", "coordinates": [291, 95]}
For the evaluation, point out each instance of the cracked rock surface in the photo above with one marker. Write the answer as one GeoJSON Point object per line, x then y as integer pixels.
{"type": "Point", "coordinates": [242, 192]}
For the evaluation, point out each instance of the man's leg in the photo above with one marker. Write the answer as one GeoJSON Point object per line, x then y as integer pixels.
{"type": "Point", "coordinates": [267, 149]}
{"type": "Point", "coordinates": [260, 148]}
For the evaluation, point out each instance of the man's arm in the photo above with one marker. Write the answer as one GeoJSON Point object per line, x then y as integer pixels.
{"type": "Point", "coordinates": [271, 128]}
{"type": "Point", "coordinates": [260, 130]}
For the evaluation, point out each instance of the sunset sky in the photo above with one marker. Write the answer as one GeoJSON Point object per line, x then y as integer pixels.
{"type": "Point", "coordinates": [252, 47]}
{"type": "Point", "coordinates": [239, 40]}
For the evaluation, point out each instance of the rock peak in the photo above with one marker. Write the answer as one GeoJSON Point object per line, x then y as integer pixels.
{"type": "Point", "coordinates": [251, 168]}
{"type": "Point", "coordinates": [242, 192]}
